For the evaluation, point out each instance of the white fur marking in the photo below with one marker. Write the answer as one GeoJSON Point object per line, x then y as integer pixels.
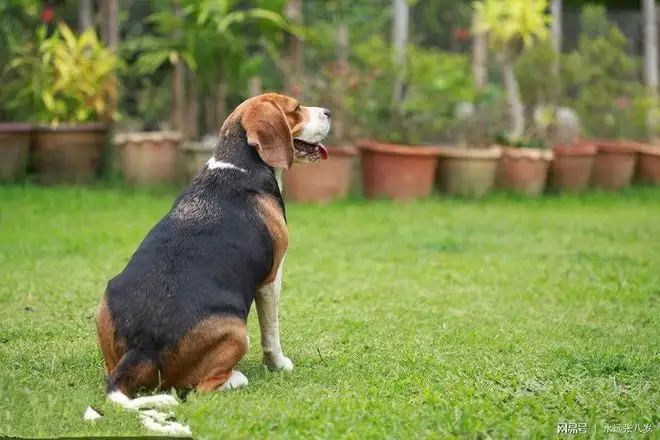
{"type": "Point", "coordinates": [153, 420]}
{"type": "Point", "coordinates": [159, 400]}
{"type": "Point", "coordinates": [214, 164]}
{"type": "Point", "coordinates": [157, 422]}
{"type": "Point", "coordinates": [118, 397]}
{"type": "Point", "coordinates": [236, 380]}
{"type": "Point", "coordinates": [317, 127]}
{"type": "Point", "coordinates": [91, 414]}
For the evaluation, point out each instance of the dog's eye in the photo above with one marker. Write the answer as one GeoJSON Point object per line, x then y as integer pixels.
{"type": "Point", "coordinates": [297, 107]}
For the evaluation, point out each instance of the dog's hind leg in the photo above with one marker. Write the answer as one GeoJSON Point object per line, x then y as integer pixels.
{"type": "Point", "coordinates": [206, 356]}
{"type": "Point", "coordinates": [222, 376]}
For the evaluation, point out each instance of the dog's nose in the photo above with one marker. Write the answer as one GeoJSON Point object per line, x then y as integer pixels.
{"type": "Point", "coordinates": [327, 113]}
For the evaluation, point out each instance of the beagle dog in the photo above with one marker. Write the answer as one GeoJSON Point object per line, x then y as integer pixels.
{"type": "Point", "coordinates": [175, 317]}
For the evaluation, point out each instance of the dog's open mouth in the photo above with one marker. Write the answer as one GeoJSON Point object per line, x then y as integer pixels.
{"type": "Point", "coordinates": [311, 152]}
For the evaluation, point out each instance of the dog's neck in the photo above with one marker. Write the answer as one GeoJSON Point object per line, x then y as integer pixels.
{"type": "Point", "coordinates": [232, 152]}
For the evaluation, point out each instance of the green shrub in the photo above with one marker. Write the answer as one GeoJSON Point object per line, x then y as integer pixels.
{"type": "Point", "coordinates": [434, 82]}
{"type": "Point", "coordinates": [610, 97]}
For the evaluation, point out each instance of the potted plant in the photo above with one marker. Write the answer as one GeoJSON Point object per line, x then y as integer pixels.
{"type": "Point", "coordinates": [395, 161]}
{"type": "Point", "coordinates": [328, 179]}
{"type": "Point", "coordinates": [201, 46]}
{"type": "Point", "coordinates": [469, 169]}
{"type": "Point", "coordinates": [571, 168]}
{"type": "Point", "coordinates": [648, 164]}
{"type": "Point", "coordinates": [546, 77]}
{"type": "Point", "coordinates": [196, 154]}
{"type": "Point", "coordinates": [513, 26]}
{"type": "Point", "coordinates": [14, 147]}
{"type": "Point", "coordinates": [524, 165]}
{"type": "Point", "coordinates": [15, 132]}
{"type": "Point", "coordinates": [72, 84]}
{"type": "Point", "coordinates": [147, 152]}
{"type": "Point", "coordinates": [609, 99]}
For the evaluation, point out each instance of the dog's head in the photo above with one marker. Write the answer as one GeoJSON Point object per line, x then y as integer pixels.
{"type": "Point", "coordinates": [282, 130]}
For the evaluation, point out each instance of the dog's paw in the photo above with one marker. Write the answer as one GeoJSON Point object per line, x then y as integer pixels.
{"type": "Point", "coordinates": [236, 380]}
{"type": "Point", "coordinates": [277, 362]}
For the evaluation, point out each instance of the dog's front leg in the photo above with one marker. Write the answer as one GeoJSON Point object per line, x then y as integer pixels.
{"type": "Point", "coordinates": [267, 300]}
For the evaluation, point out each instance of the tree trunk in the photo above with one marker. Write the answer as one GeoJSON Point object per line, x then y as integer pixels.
{"type": "Point", "coordinates": [399, 43]}
{"type": "Point", "coordinates": [339, 118]}
{"type": "Point", "coordinates": [556, 8]}
{"type": "Point", "coordinates": [113, 24]}
{"type": "Point", "coordinates": [516, 109]}
{"type": "Point", "coordinates": [651, 60]}
{"type": "Point", "coordinates": [84, 15]}
{"type": "Point", "coordinates": [479, 56]}
{"type": "Point", "coordinates": [178, 87]}
{"type": "Point", "coordinates": [178, 98]}
{"type": "Point", "coordinates": [221, 101]}
{"type": "Point", "coordinates": [255, 87]}
{"type": "Point", "coordinates": [293, 12]}
{"type": "Point", "coordinates": [211, 123]}
{"type": "Point", "coordinates": [192, 107]}
{"type": "Point", "coordinates": [109, 23]}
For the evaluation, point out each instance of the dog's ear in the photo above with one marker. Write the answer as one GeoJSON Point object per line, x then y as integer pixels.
{"type": "Point", "coordinates": [267, 130]}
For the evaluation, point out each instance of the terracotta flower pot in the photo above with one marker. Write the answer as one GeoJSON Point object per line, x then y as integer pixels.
{"type": "Point", "coordinates": [523, 170]}
{"type": "Point", "coordinates": [149, 158]}
{"type": "Point", "coordinates": [68, 153]}
{"type": "Point", "coordinates": [195, 155]}
{"type": "Point", "coordinates": [397, 172]}
{"type": "Point", "coordinates": [323, 181]}
{"type": "Point", "coordinates": [467, 172]}
{"type": "Point", "coordinates": [14, 149]}
{"type": "Point", "coordinates": [648, 165]}
{"type": "Point", "coordinates": [570, 169]}
{"type": "Point", "coordinates": [614, 164]}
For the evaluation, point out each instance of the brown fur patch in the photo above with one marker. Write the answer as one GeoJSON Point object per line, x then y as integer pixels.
{"type": "Point", "coordinates": [111, 348]}
{"type": "Point", "coordinates": [271, 213]}
{"type": "Point", "coordinates": [267, 130]}
{"type": "Point", "coordinates": [206, 355]}
{"type": "Point", "coordinates": [296, 116]}
{"type": "Point", "coordinates": [203, 358]}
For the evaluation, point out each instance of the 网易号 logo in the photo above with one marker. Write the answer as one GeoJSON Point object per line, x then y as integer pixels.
{"type": "Point", "coordinates": [571, 428]}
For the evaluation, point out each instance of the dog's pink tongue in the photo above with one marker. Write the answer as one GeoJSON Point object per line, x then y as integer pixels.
{"type": "Point", "coordinates": [324, 152]}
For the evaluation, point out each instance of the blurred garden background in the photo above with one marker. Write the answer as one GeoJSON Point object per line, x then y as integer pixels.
{"type": "Point", "coordinates": [464, 96]}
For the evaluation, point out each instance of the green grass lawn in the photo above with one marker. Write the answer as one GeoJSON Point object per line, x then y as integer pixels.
{"type": "Point", "coordinates": [435, 319]}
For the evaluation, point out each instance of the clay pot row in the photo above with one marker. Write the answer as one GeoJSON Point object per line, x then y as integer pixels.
{"type": "Point", "coordinates": [598, 164]}
{"type": "Point", "coordinates": [72, 154]}
{"type": "Point", "coordinates": [403, 173]}
{"type": "Point", "coordinates": [63, 154]}
{"type": "Point", "coordinates": [150, 158]}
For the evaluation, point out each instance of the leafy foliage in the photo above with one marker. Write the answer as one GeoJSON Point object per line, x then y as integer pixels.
{"type": "Point", "coordinates": [16, 18]}
{"type": "Point", "coordinates": [435, 82]}
{"type": "Point", "coordinates": [611, 100]}
{"type": "Point", "coordinates": [539, 83]}
{"type": "Point", "coordinates": [476, 124]}
{"type": "Point", "coordinates": [508, 21]}
{"type": "Point", "coordinates": [503, 138]}
{"type": "Point", "coordinates": [208, 36]}
{"type": "Point", "coordinates": [66, 78]}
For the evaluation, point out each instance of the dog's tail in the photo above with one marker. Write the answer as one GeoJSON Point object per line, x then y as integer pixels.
{"type": "Point", "coordinates": [137, 368]}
